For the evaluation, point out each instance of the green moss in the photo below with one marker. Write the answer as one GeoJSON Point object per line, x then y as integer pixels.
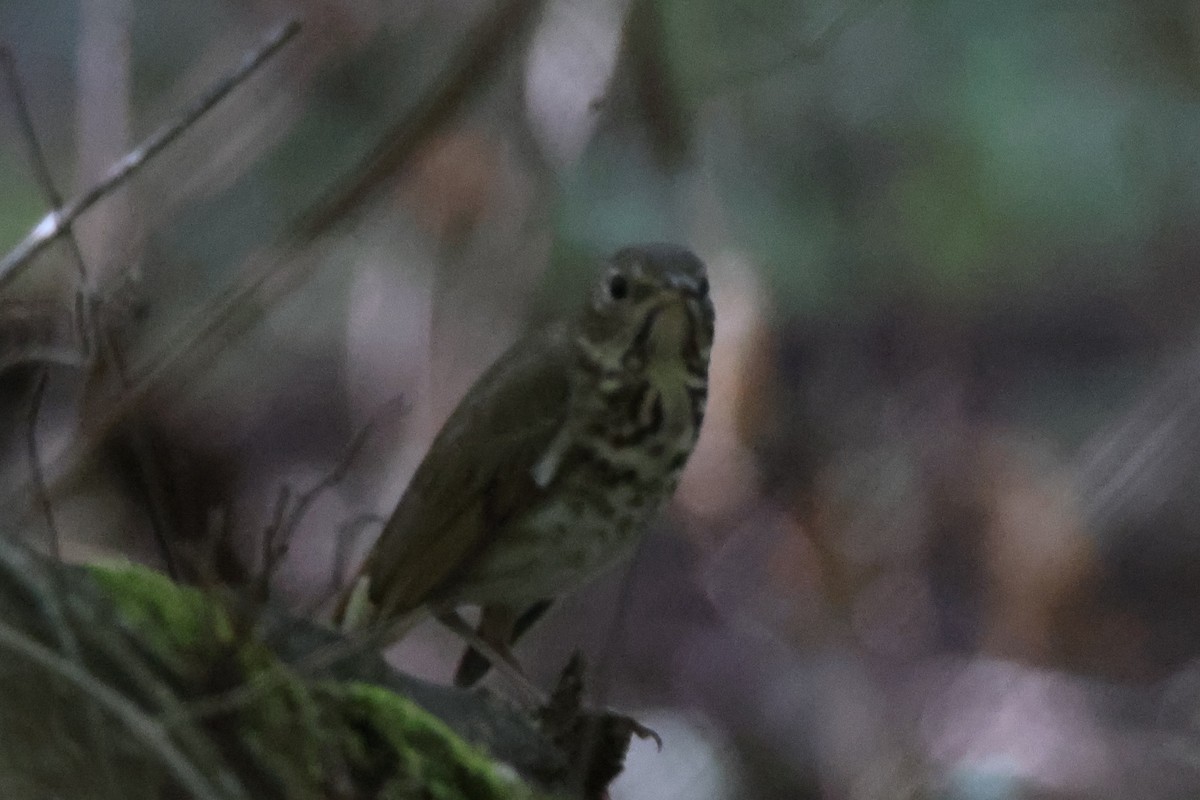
{"type": "Point", "coordinates": [172, 618]}
{"type": "Point", "coordinates": [427, 759]}
{"type": "Point", "coordinates": [293, 735]}
{"type": "Point", "coordinates": [296, 738]}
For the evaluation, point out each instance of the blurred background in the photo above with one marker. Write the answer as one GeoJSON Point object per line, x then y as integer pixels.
{"type": "Point", "coordinates": [941, 537]}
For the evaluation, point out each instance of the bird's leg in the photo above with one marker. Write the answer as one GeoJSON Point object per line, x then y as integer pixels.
{"type": "Point", "coordinates": [501, 659]}
{"type": "Point", "coordinates": [502, 625]}
{"type": "Point", "coordinates": [565, 707]}
{"type": "Point", "coordinates": [496, 622]}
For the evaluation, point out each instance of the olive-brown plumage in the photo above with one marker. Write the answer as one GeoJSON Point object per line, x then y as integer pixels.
{"type": "Point", "coordinates": [554, 461]}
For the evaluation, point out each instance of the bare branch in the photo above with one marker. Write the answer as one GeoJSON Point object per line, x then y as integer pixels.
{"type": "Point", "coordinates": [218, 532]}
{"type": "Point", "coordinates": [274, 542]}
{"type": "Point", "coordinates": [59, 221]}
{"type": "Point", "coordinates": [288, 516]}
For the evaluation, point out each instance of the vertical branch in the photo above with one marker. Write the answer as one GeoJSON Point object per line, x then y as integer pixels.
{"type": "Point", "coordinates": [41, 494]}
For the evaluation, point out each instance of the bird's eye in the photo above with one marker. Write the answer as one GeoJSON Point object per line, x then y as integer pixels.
{"type": "Point", "coordinates": [702, 286]}
{"type": "Point", "coordinates": [618, 287]}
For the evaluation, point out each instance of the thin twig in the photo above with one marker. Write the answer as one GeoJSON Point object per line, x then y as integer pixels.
{"type": "Point", "coordinates": [59, 221]}
{"type": "Point", "coordinates": [41, 166]}
{"type": "Point", "coordinates": [288, 515]}
{"type": "Point", "coordinates": [335, 475]}
{"type": "Point", "coordinates": [217, 533]}
{"type": "Point", "coordinates": [272, 551]}
{"type": "Point", "coordinates": [41, 493]}
{"type": "Point", "coordinates": [347, 535]}
{"type": "Point", "coordinates": [97, 337]}
{"type": "Point", "coordinates": [108, 349]}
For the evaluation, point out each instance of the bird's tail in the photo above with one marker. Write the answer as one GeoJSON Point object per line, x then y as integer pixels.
{"type": "Point", "coordinates": [356, 613]}
{"type": "Point", "coordinates": [354, 610]}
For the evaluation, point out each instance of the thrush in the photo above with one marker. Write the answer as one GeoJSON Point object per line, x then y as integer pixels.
{"type": "Point", "coordinates": [553, 463]}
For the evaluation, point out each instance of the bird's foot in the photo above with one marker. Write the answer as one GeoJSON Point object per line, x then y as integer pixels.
{"type": "Point", "coordinates": [595, 740]}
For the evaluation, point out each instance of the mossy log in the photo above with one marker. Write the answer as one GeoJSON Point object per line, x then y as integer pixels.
{"type": "Point", "coordinates": [117, 683]}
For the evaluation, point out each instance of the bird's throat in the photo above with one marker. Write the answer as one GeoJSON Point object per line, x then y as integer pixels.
{"type": "Point", "coordinates": [669, 333]}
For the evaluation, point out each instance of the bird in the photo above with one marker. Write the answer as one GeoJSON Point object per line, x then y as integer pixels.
{"type": "Point", "coordinates": [552, 465]}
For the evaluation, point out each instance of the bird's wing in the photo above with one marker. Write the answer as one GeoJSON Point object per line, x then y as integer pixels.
{"type": "Point", "coordinates": [476, 475]}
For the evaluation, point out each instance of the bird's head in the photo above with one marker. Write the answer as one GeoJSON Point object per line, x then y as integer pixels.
{"type": "Point", "coordinates": [650, 312]}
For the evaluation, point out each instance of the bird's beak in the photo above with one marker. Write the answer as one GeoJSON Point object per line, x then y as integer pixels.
{"type": "Point", "coordinates": [685, 285]}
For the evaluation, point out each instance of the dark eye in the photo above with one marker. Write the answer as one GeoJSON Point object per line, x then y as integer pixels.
{"type": "Point", "coordinates": [702, 286]}
{"type": "Point", "coordinates": [618, 287]}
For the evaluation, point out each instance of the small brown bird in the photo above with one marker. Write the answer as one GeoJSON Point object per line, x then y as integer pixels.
{"type": "Point", "coordinates": [554, 461]}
